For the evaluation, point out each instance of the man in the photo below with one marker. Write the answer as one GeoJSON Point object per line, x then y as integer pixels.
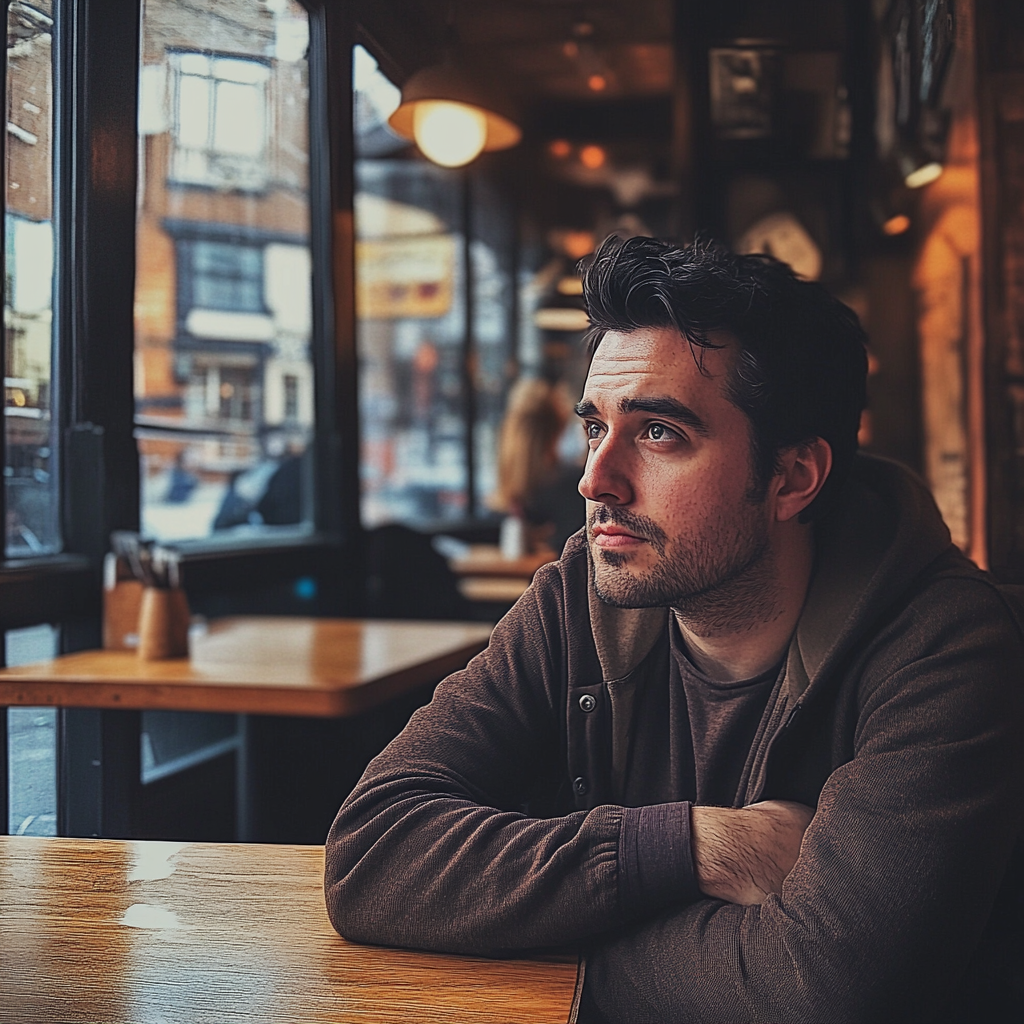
{"type": "Point", "coordinates": [755, 742]}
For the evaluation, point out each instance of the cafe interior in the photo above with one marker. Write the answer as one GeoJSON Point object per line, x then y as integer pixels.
{"type": "Point", "coordinates": [282, 279]}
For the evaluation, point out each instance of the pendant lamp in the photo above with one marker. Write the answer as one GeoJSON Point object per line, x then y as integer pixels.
{"type": "Point", "coordinates": [451, 118]}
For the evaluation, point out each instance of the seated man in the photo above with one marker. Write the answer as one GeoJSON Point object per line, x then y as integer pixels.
{"type": "Point", "coordinates": [755, 742]}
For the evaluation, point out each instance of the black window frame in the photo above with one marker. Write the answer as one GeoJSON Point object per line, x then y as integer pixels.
{"type": "Point", "coordinates": [96, 73]}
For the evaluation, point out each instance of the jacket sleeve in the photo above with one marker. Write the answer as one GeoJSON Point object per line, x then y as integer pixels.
{"type": "Point", "coordinates": [898, 870]}
{"type": "Point", "coordinates": [432, 849]}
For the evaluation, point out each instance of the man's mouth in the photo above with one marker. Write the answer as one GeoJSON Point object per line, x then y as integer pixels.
{"type": "Point", "coordinates": [622, 530]}
{"type": "Point", "coordinates": [612, 537]}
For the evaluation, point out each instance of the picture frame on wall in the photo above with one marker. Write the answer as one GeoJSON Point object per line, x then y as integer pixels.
{"type": "Point", "coordinates": [743, 89]}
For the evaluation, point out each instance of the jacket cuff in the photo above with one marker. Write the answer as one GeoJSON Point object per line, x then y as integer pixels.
{"type": "Point", "coordinates": [655, 858]}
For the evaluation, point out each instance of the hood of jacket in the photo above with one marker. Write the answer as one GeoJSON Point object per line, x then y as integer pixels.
{"type": "Point", "coordinates": [885, 530]}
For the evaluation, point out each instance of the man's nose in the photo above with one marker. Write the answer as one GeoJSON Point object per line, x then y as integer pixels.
{"type": "Point", "coordinates": [606, 478]}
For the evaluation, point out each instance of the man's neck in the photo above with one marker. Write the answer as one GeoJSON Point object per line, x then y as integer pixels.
{"type": "Point", "coordinates": [743, 636]}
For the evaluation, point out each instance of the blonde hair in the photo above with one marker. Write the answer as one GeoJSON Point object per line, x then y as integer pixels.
{"type": "Point", "coordinates": [535, 417]}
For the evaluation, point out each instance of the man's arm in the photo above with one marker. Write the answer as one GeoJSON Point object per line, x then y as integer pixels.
{"type": "Point", "coordinates": [898, 868]}
{"type": "Point", "coordinates": [432, 849]}
{"type": "Point", "coordinates": [741, 855]}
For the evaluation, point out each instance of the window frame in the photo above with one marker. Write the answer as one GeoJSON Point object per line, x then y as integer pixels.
{"type": "Point", "coordinates": [96, 82]}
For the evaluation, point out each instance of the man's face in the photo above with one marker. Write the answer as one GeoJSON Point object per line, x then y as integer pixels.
{"type": "Point", "coordinates": [669, 480]}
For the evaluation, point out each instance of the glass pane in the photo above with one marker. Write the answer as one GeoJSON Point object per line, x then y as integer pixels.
{"type": "Point", "coordinates": [192, 121]}
{"type": "Point", "coordinates": [410, 311]}
{"type": "Point", "coordinates": [30, 473]}
{"type": "Point", "coordinates": [239, 125]}
{"type": "Point", "coordinates": [223, 310]}
{"type": "Point", "coordinates": [32, 743]}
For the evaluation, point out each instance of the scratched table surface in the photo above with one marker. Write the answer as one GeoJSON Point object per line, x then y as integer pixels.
{"type": "Point", "coordinates": [206, 933]}
{"type": "Point", "coordinates": [259, 665]}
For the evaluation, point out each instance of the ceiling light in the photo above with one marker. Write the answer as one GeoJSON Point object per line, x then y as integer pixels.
{"type": "Point", "coordinates": [592, 157]}
{"type": "Point", "coordinates": [597, 83]}
{"type": "Point", "coordinates": [923, 175]}
{"type": "Point", "coordinates": [919, 164]}
{"type": "Point", "coordinates": [450, 134]}
{"type": "Point", "coordinates": [559, 148]}
{"type": "Point", "coordinates": [897, 225]}
{"type": "Point", "coordinates": [450, 117]}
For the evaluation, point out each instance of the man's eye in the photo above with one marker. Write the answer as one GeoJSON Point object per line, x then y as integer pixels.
{"type": "Point", "coordinates": [659, 432]}
{"type": "Point", "coordinates": [593, 430]}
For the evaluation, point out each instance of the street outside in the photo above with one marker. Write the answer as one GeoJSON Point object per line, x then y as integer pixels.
{"type": "Point", "coordinates": [31, 744]}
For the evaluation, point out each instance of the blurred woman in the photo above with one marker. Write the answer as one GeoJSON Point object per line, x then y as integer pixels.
{"type": "Point", "coordinates": [535, 486]}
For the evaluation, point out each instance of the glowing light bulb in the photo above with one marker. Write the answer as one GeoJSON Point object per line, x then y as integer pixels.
{"type": "Point", "coordinates": [923, 175]}
{"type": "Point", "coordinates": [897, 225]}
{"type": "Point", "coordinates": [450, 134]}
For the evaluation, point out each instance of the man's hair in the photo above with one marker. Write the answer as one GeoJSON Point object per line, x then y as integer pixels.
{"type": "Point", "coordinates": [801, 369]}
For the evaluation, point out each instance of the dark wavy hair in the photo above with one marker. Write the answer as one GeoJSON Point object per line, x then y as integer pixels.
{"type": "Point", "coordinates": [801, 371]}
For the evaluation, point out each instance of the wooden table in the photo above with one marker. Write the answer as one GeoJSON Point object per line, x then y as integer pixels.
{"type": "Point", "coordinates": [259, 665]}
{"type": "Point", "coordinates": [487, 560]}
{"type": "Point", "coordinates": [294, 682]}
{"type": "Point", "coordinates": [485, 575]}
{"type": "Point", "coordinates": [100, 930]}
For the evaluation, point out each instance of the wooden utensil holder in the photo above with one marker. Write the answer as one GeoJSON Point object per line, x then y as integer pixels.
{"type": "Point", "coordinates": [163, 623]}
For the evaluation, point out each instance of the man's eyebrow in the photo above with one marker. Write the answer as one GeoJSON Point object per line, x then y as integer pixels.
{"type": "Point", "coordinates": [669, 407]}
{"type": "Point", "coordinates": [585, 408]}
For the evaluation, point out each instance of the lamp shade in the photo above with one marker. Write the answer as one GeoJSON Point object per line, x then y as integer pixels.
{"type": "Point", "coordinates": [451, 118]}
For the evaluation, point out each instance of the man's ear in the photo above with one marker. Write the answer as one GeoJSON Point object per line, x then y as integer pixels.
{"type": "Point", "coordinates": [803, 470]}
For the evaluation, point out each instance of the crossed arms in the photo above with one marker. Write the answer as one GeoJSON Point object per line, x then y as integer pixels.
{"type": "Point", "coordinates": [889, 894]}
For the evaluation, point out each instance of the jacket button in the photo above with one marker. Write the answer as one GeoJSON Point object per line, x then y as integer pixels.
{"type": "Point", "coordinates": [587, 702]}
{"type": "Point", "coordinates": [579, 786]}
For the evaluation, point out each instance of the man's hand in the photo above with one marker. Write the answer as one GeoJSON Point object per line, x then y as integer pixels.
{"type": "Point", "coordinates": [743, 854]}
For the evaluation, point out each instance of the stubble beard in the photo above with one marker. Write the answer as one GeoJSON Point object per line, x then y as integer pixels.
{"type": "Point", "coordinates": [722, 582]}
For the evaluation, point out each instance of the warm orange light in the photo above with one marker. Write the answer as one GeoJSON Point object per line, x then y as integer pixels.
{"type": "Point", "coordinates": [592, 157]}
{"type": "Point", "coordinates": [897, 225]}
{"type": "Point", "coordinates": [597, 83]}
{"type": "Point", "coordinates": [577, 244]}
{"type": "Point", "coordinates": [559, 148]}
{"type": "Point", "coordinates": [571, 49]}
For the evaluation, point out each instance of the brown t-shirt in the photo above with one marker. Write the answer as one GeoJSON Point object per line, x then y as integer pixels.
{"type": "Point", "coordinates": [706, 726]}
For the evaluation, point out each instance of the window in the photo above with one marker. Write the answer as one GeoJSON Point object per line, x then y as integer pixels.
{"type": "Point", "coordinates": [30, 469]}
{"type": "Point", "coordinates": [223, 312]}
{"type": "Point", "coordinates": [200, 221]}
{"type": "Point", "coordinates": [219, 120]}
{"type": "Point", "coordinates": [435, 301]}
{"type": "Point", "coordinates": [291, 396]}
{"type": "Point", "coordinates": [223, 275]}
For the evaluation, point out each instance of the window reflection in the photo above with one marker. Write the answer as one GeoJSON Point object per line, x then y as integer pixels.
{"type": "Point", "coordinates": [223, 370]}
{"type": "Point", "coordinates": [426, 327]}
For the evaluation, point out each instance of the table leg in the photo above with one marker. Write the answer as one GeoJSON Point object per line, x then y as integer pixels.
{"type": "Point", "coordinates": [98, 781]}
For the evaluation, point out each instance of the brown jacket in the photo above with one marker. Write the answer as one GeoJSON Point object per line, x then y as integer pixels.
{"type": "Point", "coordinates": [490, 824]}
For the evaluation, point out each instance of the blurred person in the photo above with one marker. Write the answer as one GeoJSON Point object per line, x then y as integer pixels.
{"type": "Point", "coordinates": [535, 485]}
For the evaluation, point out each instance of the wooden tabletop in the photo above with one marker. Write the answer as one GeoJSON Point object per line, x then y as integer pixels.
{"type": "Point", "coordinates": [259, 665]}
{"type": "Point", "coordinates": [487, 560]}
{"type": "Point", "coordinates": [100, 930]}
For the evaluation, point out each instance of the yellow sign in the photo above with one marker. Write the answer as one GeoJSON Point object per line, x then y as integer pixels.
{"type": "Point", "coordinates": [404, 277]}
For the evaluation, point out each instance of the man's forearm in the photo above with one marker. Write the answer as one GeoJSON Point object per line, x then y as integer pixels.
{"type": "Point", "coordinates": [742, 854]}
